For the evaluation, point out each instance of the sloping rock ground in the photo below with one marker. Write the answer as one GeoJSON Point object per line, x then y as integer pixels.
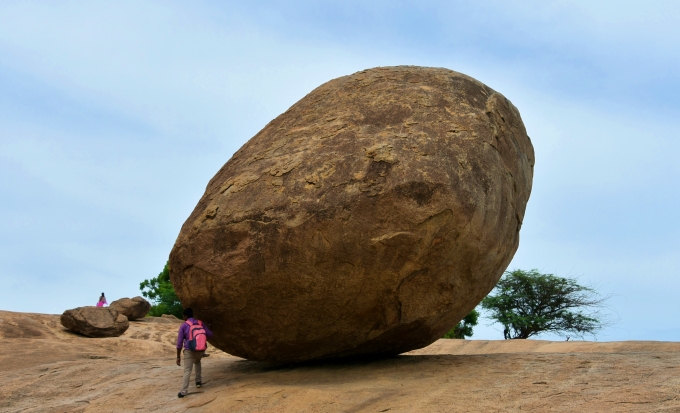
{"type": "Point", "coordinates": [45, 368]}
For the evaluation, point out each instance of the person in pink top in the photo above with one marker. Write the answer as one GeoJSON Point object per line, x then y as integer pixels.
{"type": "Point", "coordinates": [102, 301]}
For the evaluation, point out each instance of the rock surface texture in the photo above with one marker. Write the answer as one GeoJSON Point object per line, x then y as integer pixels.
{"type": "Point", "coordinates": [133, 308]}
{"type": "Point", "coordinates": [369, 218]}
{"type": "Point", "coordinates": [95, 321]}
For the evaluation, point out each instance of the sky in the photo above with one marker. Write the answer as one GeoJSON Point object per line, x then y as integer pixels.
{"type": "Point", "coordinates": [115, 115]}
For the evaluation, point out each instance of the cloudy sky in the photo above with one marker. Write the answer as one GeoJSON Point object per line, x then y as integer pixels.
{"type": "Point", "coordinates": [114, 116]}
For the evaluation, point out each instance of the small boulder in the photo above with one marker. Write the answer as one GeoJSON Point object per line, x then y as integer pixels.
{"type": "Point", "coordinates": [95, 321]}
{"type": "Point", "coordinates": [132, 308]}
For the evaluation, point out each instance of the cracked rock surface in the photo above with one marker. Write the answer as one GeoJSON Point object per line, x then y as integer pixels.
{"type": "Point", "coordinates": [369, 218]}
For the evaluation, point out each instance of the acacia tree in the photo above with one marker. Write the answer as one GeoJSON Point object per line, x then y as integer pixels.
{"type": "Point", "coordinates": [464, 327]}
{"type": "Point", "coordinates": [529, 303]}
{"type": "Point", "coordinates": [160, 291]}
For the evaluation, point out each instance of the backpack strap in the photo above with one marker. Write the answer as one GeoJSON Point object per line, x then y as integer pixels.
{"type": "Point", "coordinates": [199, 322]}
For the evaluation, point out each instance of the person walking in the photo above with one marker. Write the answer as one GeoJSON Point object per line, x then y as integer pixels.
{"type": "Point", "coordinates": [191, 336]}
{"type": "Point", "coordinates": [102, 301]}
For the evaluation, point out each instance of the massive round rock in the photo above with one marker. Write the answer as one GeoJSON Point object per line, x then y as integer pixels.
{"type": "Point", "coordinates": [369, 218]}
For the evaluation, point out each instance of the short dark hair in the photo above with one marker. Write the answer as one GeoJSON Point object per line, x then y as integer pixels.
{"type": "Point", "coordinates": [188, 312]}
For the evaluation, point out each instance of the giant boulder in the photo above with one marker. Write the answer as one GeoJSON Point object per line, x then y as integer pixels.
{"type": "Point", "coordinates": [95, 321]}
{"type": "Point", "coordinates": [368, 219]}
{"type": "Point", "coordinates": [133, 308]}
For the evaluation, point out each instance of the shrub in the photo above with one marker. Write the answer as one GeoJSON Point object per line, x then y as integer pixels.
{"type": "Point", "coordinates": [160, 291]}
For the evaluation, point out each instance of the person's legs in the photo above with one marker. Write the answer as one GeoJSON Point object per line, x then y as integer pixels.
{"type": "Point", "coordinates": [198, 355]}
{"type": "Point", "coordinates": [188, 363]}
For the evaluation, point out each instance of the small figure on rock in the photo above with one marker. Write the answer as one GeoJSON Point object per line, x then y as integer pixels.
{"type": "Point", "coordinates": [192, 335]}
{"type": "Point", "coordinates": [102, 301]}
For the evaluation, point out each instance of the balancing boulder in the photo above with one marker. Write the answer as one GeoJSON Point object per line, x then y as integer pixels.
{"type": "Point", "coordinates": [368, 219]}
{"type": "Point", "coordinates": [95, 321]}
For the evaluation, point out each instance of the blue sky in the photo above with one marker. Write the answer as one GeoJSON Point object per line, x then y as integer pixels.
{"type": "Point", "coordinates": [114, 116]}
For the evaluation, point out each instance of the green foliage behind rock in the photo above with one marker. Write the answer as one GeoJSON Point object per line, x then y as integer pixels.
{"type": "Point", "coordinates": [160, 291]}
{"type": "Point", "coordinates": [464, 328]}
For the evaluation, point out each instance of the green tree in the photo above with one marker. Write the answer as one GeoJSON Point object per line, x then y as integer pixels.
{"type": "Point", "coordinates": [529, 303]}
{"type": "Point", "coordinates": [464, 328]}
{"type": "Point", "coordinates": [160, 291]}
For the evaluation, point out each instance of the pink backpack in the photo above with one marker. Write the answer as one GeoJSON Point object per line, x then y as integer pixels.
{"type": "Point", "coordinates": [197, 337]}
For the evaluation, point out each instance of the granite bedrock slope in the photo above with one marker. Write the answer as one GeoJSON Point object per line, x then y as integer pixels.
{"type": "Point", "coordinates": [368, 219]}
